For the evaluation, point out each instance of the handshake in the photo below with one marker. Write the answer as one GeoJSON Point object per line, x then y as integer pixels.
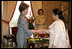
{"type": "Point", "coordinates": [38, 31]}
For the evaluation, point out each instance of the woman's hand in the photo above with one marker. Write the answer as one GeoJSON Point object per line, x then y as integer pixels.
{"type": "Point", "coordinates": [38, 31]}
{"type": "Point", "coordinates": [41, 31]}
{"type": "Point", "coordinates": [35, 31]}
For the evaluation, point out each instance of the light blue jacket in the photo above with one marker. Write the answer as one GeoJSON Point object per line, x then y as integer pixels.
{"type": "Point", "coordinates": [23, 32]}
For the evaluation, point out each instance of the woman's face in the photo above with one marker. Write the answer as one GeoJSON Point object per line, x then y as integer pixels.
{"type": "Point", "coordinates": [25, 11]}
{"type": "Point", "coordinates": [40, 12]}
{"type": "Point", "coordinates": [54, 16]}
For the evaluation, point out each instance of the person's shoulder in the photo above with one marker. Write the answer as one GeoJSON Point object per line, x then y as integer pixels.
{"type": "Point", "coordinates": [60, 21]}
{"type": "Point", "coordinates": [56, 23]}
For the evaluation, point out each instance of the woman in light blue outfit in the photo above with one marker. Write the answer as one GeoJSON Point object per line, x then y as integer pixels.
{"type": "Point", "coordinates": [23, 33]}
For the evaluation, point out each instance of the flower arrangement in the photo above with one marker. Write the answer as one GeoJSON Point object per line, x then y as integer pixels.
{"type": "Point", "coordinates": [39, 38]}
{"type": "Point", "coordinates": [31, 21]}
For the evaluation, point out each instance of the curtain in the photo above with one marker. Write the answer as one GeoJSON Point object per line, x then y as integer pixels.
{"type": "Point", "coordinates": [36, 5]}
{"type": "Point", "coordinates": [8, 11]}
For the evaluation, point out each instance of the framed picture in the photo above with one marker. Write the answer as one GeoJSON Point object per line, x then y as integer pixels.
{"type": "Point", "coordinates": [65, 10]}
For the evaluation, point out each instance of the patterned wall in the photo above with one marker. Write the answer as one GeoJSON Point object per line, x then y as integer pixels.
{"type": "Point", "coordinates": [69, 22]}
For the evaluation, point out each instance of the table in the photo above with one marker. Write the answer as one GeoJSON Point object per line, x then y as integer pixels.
{"type": "Point", "coordinates": [38, 42]}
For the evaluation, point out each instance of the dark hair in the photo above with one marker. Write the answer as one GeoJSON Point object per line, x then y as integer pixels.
{"type": "Point", "coordinates": [23, 6]}
{"type": "Point", "coordinates": [39, 11]}
{"type": "Point", "coordinates": [56, 11]}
